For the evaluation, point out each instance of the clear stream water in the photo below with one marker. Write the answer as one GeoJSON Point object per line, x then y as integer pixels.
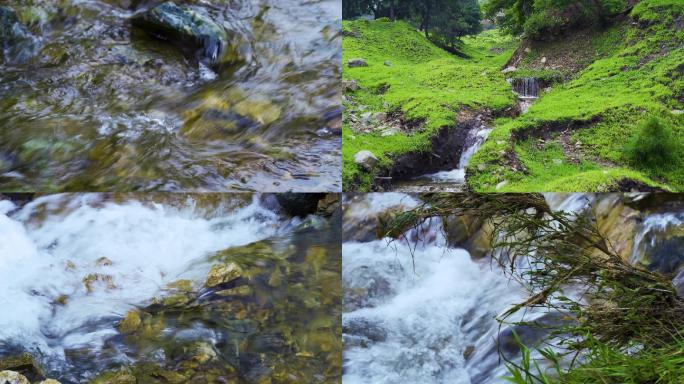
{"type": "Point", "coordinates": [96, 104]}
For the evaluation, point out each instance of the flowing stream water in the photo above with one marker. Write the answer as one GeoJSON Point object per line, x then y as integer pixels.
{"type": "Point", "coordinates": [451, 180]}
{"type": "Point", "coordinates": [422, 312]}
{"type": "Point", "coordinates": [72, 266]}
{"type": "Point", "coordinates": [90, 102]}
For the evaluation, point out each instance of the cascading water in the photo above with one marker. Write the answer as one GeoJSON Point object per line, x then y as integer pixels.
{"type": "Point", "coordinates": [422, 312]}
{"type": "Point", "coordinates": [432, 324]}
{"type": "Point", "coordinates": [527, 89]}
{"type": "Point", "coordinates": [71, 266]}
{"type": "Point", "coordinates": [451, 180]}
{"type": "Point", "coordinates": [659, 242]}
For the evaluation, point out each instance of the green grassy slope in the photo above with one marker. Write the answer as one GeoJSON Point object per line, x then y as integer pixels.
{"type": "Point", "coordinates": [424, 82]}
{"type": "Point", "coordinates": [638, 71]}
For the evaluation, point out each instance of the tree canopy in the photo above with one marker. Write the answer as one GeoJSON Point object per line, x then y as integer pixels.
{"type": "Point", "coordinates": [543, 19]}
{"type": "Point", "coordinates": [444, 21]}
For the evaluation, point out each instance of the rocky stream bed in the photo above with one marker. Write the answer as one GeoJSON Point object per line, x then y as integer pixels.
{"type": "Point", "coordinates": [132, 95]}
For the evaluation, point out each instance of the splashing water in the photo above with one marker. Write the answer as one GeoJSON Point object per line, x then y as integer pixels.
{"type": "Point", "coordinates": [50, 247]}
{"type": "Point", "coordinates": [432, 324]}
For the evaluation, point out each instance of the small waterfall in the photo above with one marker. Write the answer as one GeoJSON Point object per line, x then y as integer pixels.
{"type": "Point", "coordinates": [476, 137]}
{"type": "Point", "coordinates": [526, 87]}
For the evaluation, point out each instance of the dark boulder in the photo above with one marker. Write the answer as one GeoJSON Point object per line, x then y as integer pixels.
{"type": "Point", "coordinates": [196, 34]}
{"type": "Point", "coordinates": [299, 204]}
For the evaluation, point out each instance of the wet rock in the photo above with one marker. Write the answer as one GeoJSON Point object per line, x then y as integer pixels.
{"type": "Point", "coordinates": [49, 381]}
{"type": "Point", "coordinates": [363, 327]}
{"type": "Point", "coordinates": [509, 69]}
{"type": "Point", "coordinates": [299, 204]}
{"type": "Point", "coordinates": [241, 291]}
{"type": "Point", "coordinates": [468, 352]}
{"type": "Point", "coordinates": [93, 279]}
{"type": "Point", "coordinates": [469, 233]}
{"type": "Point", "coordinates": [618, 222]}
{"type": "Point", "coordinates": [23, 364]}
{"type": "Point", "coordinates": [223, 273]}
{"type": "Point", "coordinates": [194, 33]}
{"type": "Point", "coordinates": [328, 204]}
{"type": "Point", "coordinates": [131, 323]}
{"type": "Point", "coordinates": [368, 288]}
{"type": "Point", "coordinates": [530, 334]}
{"type": "Point", "coordinates": [667, 255]}
{"type": "Point", "coordinates": [354, 63]}
{"type": "Point", "coordinates": [678, 283]}
{"type": "Point", "coordinates": [366, 159]}
{"type": "Point", "coordinates": [11, 377]}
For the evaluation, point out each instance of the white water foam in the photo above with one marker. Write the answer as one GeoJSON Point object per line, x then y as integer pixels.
{"type": "Point", "coordinates": [425, 314]}
{"type": "Point", "coordinates": [148, 245]}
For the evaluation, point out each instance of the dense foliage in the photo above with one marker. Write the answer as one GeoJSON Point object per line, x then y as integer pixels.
{"type": "Point", "coordinates": [653, 145]}
{"type": "Point", "coordinates": [445, 20]}
{"type": "Point", "coordinates": [542, 19]}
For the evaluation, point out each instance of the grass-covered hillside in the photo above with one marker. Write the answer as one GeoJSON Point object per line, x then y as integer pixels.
{"type": "Point", "coordinates": [423, 84]}
{"type": "Point", "coordinates": [610, 117]}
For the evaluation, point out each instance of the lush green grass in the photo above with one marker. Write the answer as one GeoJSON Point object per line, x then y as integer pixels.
{"type": "Point", "coordinates": [424, 82]}
{"type": "Point", "coordinates": [604, 365]}
{"type": "Point", "coordinates": [640, 76]}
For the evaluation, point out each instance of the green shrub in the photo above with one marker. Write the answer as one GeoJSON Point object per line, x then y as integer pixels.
{"type": "Point", "coordinates": [653, 146]}
{"type": "Point", "coordinates": [383, 20]}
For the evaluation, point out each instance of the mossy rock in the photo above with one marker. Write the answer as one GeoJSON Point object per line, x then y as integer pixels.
{"type": "Point", "coordinates": [196, 34]}
{"type": "Point", "coordinates": [131, 323]}
{"type": "Point", "coordinates": [223, 273]}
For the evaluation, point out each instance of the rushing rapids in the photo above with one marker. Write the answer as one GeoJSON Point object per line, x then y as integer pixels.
{"type": "Point", "coordinates": [94, 99]}
{"type": "Point", "coordinates": [173, 286]}
{"type": "Point", "coordinates": [423, 311]}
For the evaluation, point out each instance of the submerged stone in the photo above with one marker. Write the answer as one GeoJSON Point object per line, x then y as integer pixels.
{"type": "Point", "coordinates": [194, 33]}
{"type": "Point", "coordinates": [16, 44]}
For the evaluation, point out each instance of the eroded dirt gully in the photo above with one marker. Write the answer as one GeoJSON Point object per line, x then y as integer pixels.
{"type": "Point", "coordinates": [424, 171]}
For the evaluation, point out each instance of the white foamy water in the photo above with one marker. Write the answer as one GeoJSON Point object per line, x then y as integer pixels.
{"type": "Point", "coordinates": [430, 318]}
{"type": "Point", "coordinates": [139, 247]}
{"type": "Point", "coordinates": [474, 141]}
{"type": "Point", "coordinates": [652, 229]}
